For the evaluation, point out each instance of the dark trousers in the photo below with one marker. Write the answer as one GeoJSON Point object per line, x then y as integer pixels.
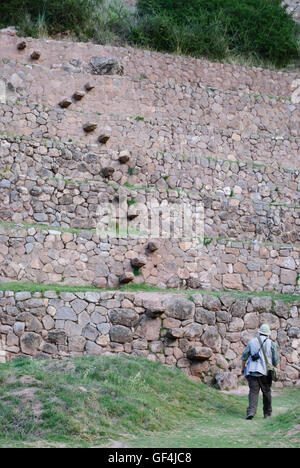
{"type": "Point", "coordinates": [256, 384]}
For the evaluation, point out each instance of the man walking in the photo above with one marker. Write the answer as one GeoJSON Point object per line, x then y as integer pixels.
{"type": "Point", "coordinates": [255, 370]}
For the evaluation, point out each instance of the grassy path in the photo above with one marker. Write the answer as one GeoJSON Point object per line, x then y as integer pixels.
{"type": "Point", "coordinates": [234, 431]}
{"type": "Point", "coordinates": [123, 401]}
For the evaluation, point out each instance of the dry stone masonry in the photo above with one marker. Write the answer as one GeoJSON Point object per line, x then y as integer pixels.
{"type": "Point", "coordinates": [204, 335]}
{"type": "Point", "coordinates": [293, 8]}
{"type": "Point", "coordinates": [45, 192]}
{"type": "Point", "coordinates": [85, 257]}
{"type": "Point", "coordinates": [139, 64]}
{"type": "Point", "coordinates": [83, 127]}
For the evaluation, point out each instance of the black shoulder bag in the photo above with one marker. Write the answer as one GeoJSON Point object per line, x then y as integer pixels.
{"type": "Point", "coordinates": [255, 357]}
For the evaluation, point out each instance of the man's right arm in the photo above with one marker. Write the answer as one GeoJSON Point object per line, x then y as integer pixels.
{"type": "Point", "coordinates": [245, 357]}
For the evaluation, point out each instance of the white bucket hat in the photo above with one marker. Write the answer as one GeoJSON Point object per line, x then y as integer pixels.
{"type": "Point", "coordinates": [264, 329]}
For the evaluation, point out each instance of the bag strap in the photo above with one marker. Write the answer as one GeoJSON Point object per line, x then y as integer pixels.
{"type": "Point", "coordinates": [262, 348]}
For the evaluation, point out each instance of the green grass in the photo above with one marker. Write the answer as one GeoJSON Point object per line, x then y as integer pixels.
{"type": "Point", "coordinates": [17, 286]}
{"type": "Point", "coordinates": [91, 401]}
{"type": "Point", "coordinates": [225, 430]}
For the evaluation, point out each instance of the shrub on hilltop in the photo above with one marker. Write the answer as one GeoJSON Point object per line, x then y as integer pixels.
{"type": "Point", "coordinates": [257, 29]}
{"type": "Point", "coordinates": [49, 16]}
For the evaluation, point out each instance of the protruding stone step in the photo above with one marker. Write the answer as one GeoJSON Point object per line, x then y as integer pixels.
{"type": "Point", "coordinates": [133, 212]}
{"type": "Point", "coordinates": [107, 172]}
{"type": "Point", "coordinates": [65, 103]}
{"type": "Point", "coordinates": [35, 55]}
{"type": "Point", "coordinates": [155, 311]}
{"type": "Point", "coordinates": [78, 95]}
{"type": "Point", "coordinates": [127, 277]}
{"type": "Point", "coordinates": [138, 262]}
{"type": "Point", "coordinates": [21, 45]}
{"type": "Point", "coordinates": [89, 86]}
{"type": "Point", "coordinates": [90, 127]}
{"type": "Point", "coordinates": [124, 157]}
{"type": "Point", "coordinates": [199, 353]}
{"type": "Point", "coordinates": [175, 333]}
{"type": "Point", "coordinates": [103, 139]}
{"type": "Point", "coordinates": [152, 246]}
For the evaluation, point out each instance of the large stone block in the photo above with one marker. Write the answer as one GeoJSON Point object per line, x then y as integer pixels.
{"type": "Point", "coordinates": [232, 281]}
{"type": "Point", "coordinates": [30, 343]}
{"type": "Point", "coordinates": [199, 369]}
{"type": "Point", "coordinates": [262, 304]}
{"type": "Point", "coordinates": [78, 305]}
{"type": "Point", "coordinates": [205, 316]}
{"type": "Point", "coordinates": [57, 337]}
{"type": "Point", "coordinates": [238, 309]}
{"type": "Point", "coordinates": [106, 66]}
{"type": "Point", "coordinates": [281, 309]}
{"type": "Point", "coordinates": [76, 344]}
{"type": "Point", "coordinates": [236, 324]}
{"type": "Point", "coordinates": [179, 308]}
{"type": "Point", "coordinates": [126, 317]}
{"type": "Point", "coordinates": [89, 332]}
{"type": "Point", "coordinates": [251, 320]}
{"type": "Point", "coordinates": [149, 329]}
{"type": "Point", "coordinates": [93, 349]}
{"type": "Point", "coordinates": [212, 339]}
{"type": "Point", "coordinates": [271, 319]}
{"type": "Point", "coordinates": [211, 302]}
{"type": "Point", "coordinates": [66, 313]}
{"type": "Point", "coordinates": [120, 334]}
{"type": "Point", "coordinates": [288, 276]}
{"type": "Point", "coordinates": [193, 330]}
{"type": "Point", "coordinates": [226, 380]}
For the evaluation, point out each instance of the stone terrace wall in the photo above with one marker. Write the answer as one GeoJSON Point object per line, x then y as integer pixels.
{"type": "Point", "coordinates": [139, 134]}
{"type": "Point", "coordinates": [35, 159]}
{"type": "Point", "coordinates": [204, 336]}
{"type": "Point", "coordinates": [124, 96]}
{"type": "Point", "coordinates": [38, 159]}
{"type": "Point", "coordinates": [63, 202]}
{"type": "Point", "coordinates": [76, 205]}
{"type": "Point", "coordinates": [293, 7]}
{"type": "Point", "coordinates": [50, 256]}
{"type": "Point", "coordinates": [153, 65]}
{"type": "Point", "coordinates": [223, 136]}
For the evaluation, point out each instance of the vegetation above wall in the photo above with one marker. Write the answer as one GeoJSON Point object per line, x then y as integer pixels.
{"type": "Point", "coordinates": [220, 28]}
{"type": "Point", "coordinates": [251, 31]}
{"type": "Point", "coordinates": [36, 17]}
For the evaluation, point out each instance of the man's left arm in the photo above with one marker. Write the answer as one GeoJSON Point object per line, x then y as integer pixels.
{"type": "Point", "coordinates": [275, 357]}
